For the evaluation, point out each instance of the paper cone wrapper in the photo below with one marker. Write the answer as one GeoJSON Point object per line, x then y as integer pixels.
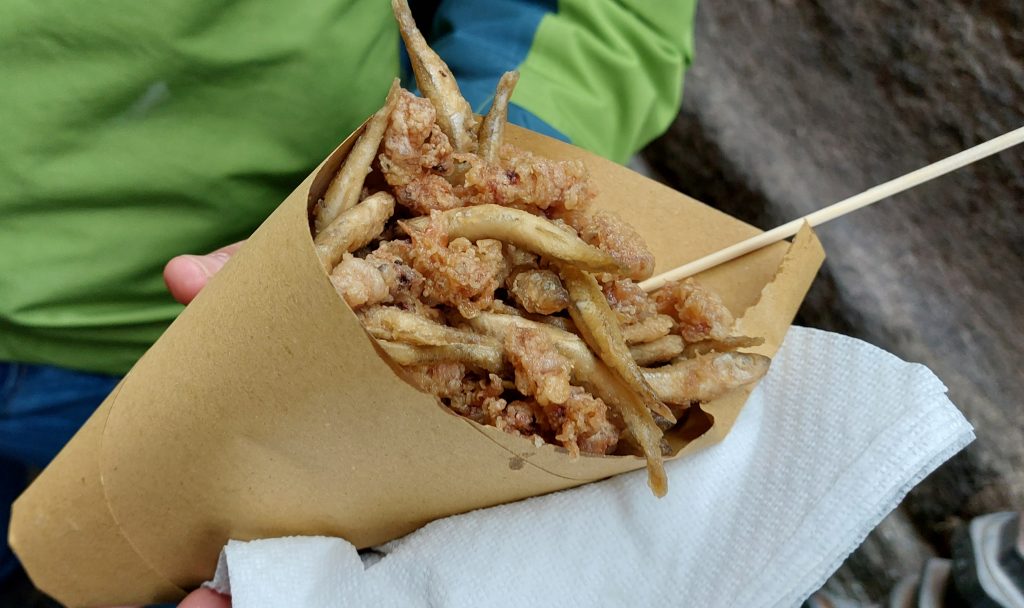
{"type": "Point", "coordinates": [265, 410]}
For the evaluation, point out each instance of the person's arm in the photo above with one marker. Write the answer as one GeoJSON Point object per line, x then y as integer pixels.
{"type": "Point", "coordinates": [604, 74]}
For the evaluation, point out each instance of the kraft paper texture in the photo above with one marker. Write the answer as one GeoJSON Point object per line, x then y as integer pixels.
{"type": "Point", "coordinates": [265, 410]}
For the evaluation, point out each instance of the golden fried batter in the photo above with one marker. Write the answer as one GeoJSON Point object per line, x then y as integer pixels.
{"type": "Point", "coordinates": [354, 228]}
{"type": "Point", "coordinates": [522, 179]}
{"type": "Point", "coordinates": [518, 417]}
{"type": "Point", "coordinates": [405, 284]}
{"type": "Point", "coordinates": [359, 282]}
{"type": "Point", "coordinates": [477, 397]}
{"type": "Point", "coordinates": [707, 377]}
{"type": "Point", "coordinates": [541, 370]}
{"type": "Point", "coordinates": [441, 379]}
{"type": "Point", "coordinates": [659, 351]}
{"type": "Point", "coordinates": [525, 230]}
{"type": "Point", "coordinates": [457, 273]}
{"type": "Point", "coordinates": [416, 156]}
{"type": "Point", "coordinates": [607, 231]}
{"type": "Point", "coordinates": [520, 259]}
{"type": "Point", "coordinates": [426, 193]}
{"type": "Point", "coordinates": [413, 143]}
{"type": "Point", "coordinates": [436, 81]}
{"type": "Point", "coordinates": [581, 424]}
{"type": "Point", "coordinates": [648, 330]}
{"type": "Point", "coordinates": [539, 291]}
{"type": "Point", "coordinates": [720, 346]}
{"type": "Point", "coordinates": [481, 356]}
{"type": "Point", "coordinates": [492, 130]}
{"type": "Point", "coordinates": [630, 303]}
{"type": "Point", "coordinates": [699, 311]}
{"type": "Point", "coordinates": [503, 222]}
{"type": "Point", "coordinates": [347, 184]}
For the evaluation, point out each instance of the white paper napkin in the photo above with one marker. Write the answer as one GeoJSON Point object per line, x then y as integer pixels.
{"type": "Point", "coordinates": [828, 444]}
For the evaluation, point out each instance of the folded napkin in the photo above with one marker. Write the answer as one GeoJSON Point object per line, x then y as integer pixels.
{"type": "Point", "coordinates": [831, 441]}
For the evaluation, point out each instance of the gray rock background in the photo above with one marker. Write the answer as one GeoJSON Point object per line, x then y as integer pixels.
{"type": "Point", "coordinates": [794, 104]}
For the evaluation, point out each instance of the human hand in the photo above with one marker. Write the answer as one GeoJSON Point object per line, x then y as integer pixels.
{"type": "Point", "coordinates": [205, 598]}
{"type": "Point", "coordinates": [186, 275]}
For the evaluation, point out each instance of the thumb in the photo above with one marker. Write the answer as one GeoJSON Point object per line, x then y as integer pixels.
{"type": "Point", "coordinates": [186, 275]}
{"type": "Point", "coordinates": [205, 598]}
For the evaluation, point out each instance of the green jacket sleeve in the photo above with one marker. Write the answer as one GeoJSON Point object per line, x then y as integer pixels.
{"type": "Point", "coordinates": [604, 74]}
{"type": "Point", "coordinates": [609, 73]}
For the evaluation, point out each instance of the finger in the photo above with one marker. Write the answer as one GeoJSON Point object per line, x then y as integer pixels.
{"type": "Point", "coordinates": [186, 275]}
{"type": "Point", "coordinates": [205, 598]}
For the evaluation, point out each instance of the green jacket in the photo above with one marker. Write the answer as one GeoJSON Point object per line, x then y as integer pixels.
{"type": "Point", "coordinates": [131, 132]}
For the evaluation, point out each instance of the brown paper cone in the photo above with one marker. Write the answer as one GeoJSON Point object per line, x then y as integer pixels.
{"type": "Point", "coordinates": [265, 411]}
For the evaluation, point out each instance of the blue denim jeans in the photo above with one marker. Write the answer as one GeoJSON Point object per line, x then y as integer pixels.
{"type": "Point", "coordinates": [41, 407]}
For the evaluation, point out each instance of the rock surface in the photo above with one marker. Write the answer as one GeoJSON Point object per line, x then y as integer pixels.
{"type": "Point", "coordinates": [790, 106]}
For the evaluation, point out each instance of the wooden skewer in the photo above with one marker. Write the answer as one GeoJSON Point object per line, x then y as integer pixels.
{"type": "Point", "coordinates": [872, 195]}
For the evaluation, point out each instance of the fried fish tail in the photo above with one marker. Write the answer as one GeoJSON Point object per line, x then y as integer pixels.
{"type": "Point", "coordinates": [492, 131]}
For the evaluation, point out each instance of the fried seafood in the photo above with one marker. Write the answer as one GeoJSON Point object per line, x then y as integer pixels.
{"type": "Point", "coordinates": [700, 312]}
{"type": "Point", "coordinates": [416, 157]}
{"type": "Point", "coordinates": [659, 351]}
{"type": "Point", "coordinates": [344, 190]}
{"type": "Point", "coordinates": [563, 323]}
{"type": "Point", "coordinates": [541, 371]}
{"type": "Point", "coordinates": [596, 323]}
{"type": "Point", "coordinates": [648, 330]}
{"type": "Point", "coordinates": [359, 282]}
{"type": "Point", "coordinates": [581, 424]}
{"type": "Point", "coordinates": [487, 357]}
{"type": "Point", "coordinates": [435, 80]}
{"type": "Point", "coordinates": [389, 323]}
{"type": "Point", "coordinates": [392, 259]}
{"type": "Point", "coordinates": [630, 303]}
{"type": "Point", "coordinates": [539, 291]}
{"type": "Point", "coordinates": [609, 233]}
{"type": "Point", "coordinates": [524, 180]}
{"type": "Point", "coordinates": [457, 272]}
{"type": "Point", "coordinates": [428, 193]}
{"type": "Point", "coordinates": [707, 377]}
{"type": "Point", "coordinates": [720, 346]}
{"type": "Point", "coordinates": [489, 281]}
{"type": "Point", "coordinates": [354, 228]}
{"type": "Point", "coordinates": [492, 131]}
{"type": "Point", "coordinates": [443, 379]}
{"type": "Point", "coordinates": [413, 143]}
{"type": "Point", "coordinates": [593, 375]}
{"type": "Point", "coordinates": [520, 417]}
{"type": "Point", "coordinates": [524, 230]}
{"type": "Point", "coordinates": [478, 398]}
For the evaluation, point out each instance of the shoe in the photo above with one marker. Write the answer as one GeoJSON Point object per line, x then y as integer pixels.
{"type": "Point", "coordinates": [988, 561]}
